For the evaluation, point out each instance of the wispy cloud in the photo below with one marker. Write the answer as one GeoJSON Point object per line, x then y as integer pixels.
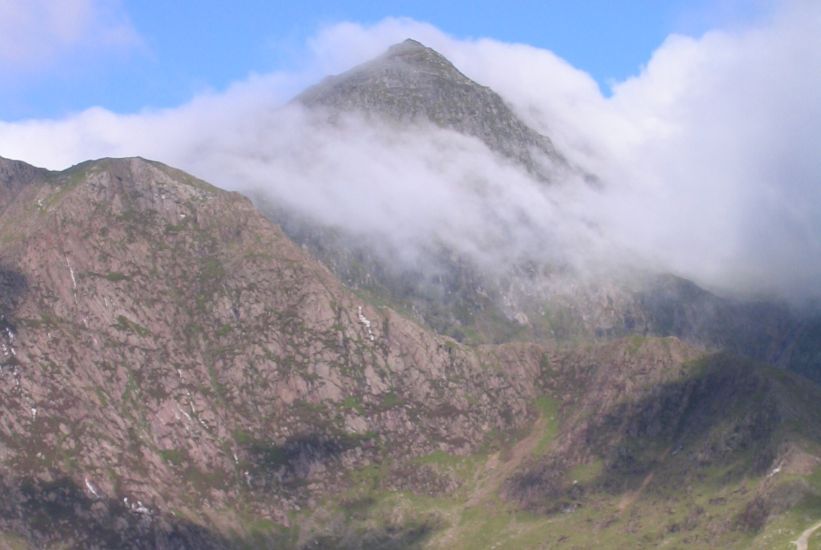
{"type": "Point", "coordinates": [709, 156]}
{"type": "Point", "coordinates": [37, 33]}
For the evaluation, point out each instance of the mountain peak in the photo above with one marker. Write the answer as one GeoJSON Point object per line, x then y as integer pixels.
{"type": "Point", "coordinates": [407, 45]}
{"type": "Point", "coordinates": [411, 82]}
{"type": "Point", "coordinates": [415, 54]}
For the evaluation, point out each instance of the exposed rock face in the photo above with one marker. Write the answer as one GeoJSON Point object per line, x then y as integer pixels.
{"type": "Point", "coordinates": [163, 342]}
{"type": "Point", "coordinates": [414, 83]}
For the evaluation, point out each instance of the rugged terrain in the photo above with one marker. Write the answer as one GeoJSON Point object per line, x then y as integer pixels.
{"type": "Point", "coordinates": [176, 373]}
{"type": "Point", "coordinates": [158, 330]}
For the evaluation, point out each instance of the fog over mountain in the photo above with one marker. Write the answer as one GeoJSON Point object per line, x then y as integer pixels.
{"type": "Point", "coordinates": [707, 160]}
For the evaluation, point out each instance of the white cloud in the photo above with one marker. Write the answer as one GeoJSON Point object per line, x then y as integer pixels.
{"type": "Point", "coordinates": [710, 155]}
{"type": "Point", "coordinates": [34, 33]}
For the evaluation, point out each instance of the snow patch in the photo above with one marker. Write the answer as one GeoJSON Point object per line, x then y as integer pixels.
{"type": "Point", "coordinates": [185, 414]}
{"type": "Point", "coordinates": [775, 470]}
{"type": "Point", "coordinates": [8, 349]}
{"type": "Point", "coordinates": [365, 322]}
{"type": "Point", "coordinates": [136, 507]}
{"type": "Point", "coordinates": [91, 488]}
{"type": "Point", "coordinates": [71, 272]}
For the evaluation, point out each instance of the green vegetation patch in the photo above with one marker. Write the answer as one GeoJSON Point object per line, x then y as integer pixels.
{"type": "Point", "coordinates": [352, 403]}
{"type": "Point", "coordinates": [127, 325]}
{"type": "Point", "coordinates": [116, 277]}
{"type": "Point", "coordinates": [635, 343]}
{"type": "Point", "coordinates": [548, 408]}
{"type": "Point", "coordinates": [389, 401]}
{"type": "Point", "coordinates": [175, 457]}
{"type": "Point", "coordinates": [586, 473]}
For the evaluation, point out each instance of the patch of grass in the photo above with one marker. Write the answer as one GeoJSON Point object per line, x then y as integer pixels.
{"type": "Point", "coordinates": [205, 481]}
{"type": "Point", "coordinates": [463, 467]}
{"type": "Point", "coordinates": [440, 458]}
{"type": "Point", "coordinates": [116, 277]}
{"type": "Point", "coordinates": [101, 396]}
{"type": "Point", "coordinates": [243, 437]}
{"type": "Point", "coordinates": [368, 478]}
{"type": "Point", "coordinates": [585, 473]}
{"type": "Point", "coordinates": [132, 386]}
{"type": "Point", "coordinates": [549, 411]}
{"type": "Point", "coordinates": [389, 401]}
{"type": "Point", "coordinates": [13, 542]}
{"type": "Point", "coordinates": [480, 525]}
{"type": "Point", "coordinates": [127, 325]}
{"type": "Point", "coordinates": [634, 343]}
{"type": "Point", "coordinates": [814, 479]}
{"type": "Point", "coordinates": [352, 403]}
{"type": "Point", "coordinates": [782, 530]}
{"type": "Point", "coordinates": [212, 269]}
{"type": "Point", "coordinates": [175, 457]}
{"type": "Point", "coordinates": [815, 541]}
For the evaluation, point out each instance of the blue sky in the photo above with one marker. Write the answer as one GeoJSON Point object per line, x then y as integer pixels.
{"type": "Point", "coordinates": [132, 54]}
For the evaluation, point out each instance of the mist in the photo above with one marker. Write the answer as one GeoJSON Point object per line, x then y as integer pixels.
{"type": "Point", "coordinates": [708, 159]}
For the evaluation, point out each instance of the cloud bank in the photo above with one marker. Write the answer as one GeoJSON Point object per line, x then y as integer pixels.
{"type": "Point", "coordinates": [709, 157]}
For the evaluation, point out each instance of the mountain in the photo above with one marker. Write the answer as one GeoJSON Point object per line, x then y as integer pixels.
{"type": "Point", "coordinates": [176, 373]}
{"type": "Point", "coordinates": [413, 83]}
{"type": "Point", "coordinates": [528, 297]}
{"type": "Point", "coordinates": [177, 370]}
{"type": "Point", "coordinates": [166, 350]}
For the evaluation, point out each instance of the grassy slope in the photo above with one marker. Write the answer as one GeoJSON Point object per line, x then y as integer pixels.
{"type": "Point", "coordinates": [676, 505]}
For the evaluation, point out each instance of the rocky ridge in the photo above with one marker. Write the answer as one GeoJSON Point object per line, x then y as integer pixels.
{"type": "Point", "coordinates": [165, 344]}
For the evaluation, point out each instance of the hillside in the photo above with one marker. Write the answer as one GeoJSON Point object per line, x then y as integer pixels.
{"type": "Point", "coordinates": [164, 343]}
{"type": "Point", "coordinates": [176, 373]}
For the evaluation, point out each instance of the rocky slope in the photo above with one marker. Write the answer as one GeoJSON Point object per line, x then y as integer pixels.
{"type": "Point", "coordinates": [640, 443]}
{"type": "Point", "coordinates": [165, 348]}
{"type": "Point", "coordinates": [176, 373]}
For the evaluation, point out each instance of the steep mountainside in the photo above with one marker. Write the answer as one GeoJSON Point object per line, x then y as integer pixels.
{"type": "Point", "coordinates": [641, 443]}
{"type": "Point", "coordinates": [166, 348]}
{"type": "Point", "coordinates": [531, 298]}
{"type": "Point", "coordinates": [176, 373]}
{"type": "Point", "coordinates": [413, 83]}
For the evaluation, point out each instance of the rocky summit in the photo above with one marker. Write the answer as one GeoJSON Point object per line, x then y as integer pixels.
{"type": "Point", "coordinates": [414, 83]}
{"type": "Point", "coordinates": [176, 372]}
